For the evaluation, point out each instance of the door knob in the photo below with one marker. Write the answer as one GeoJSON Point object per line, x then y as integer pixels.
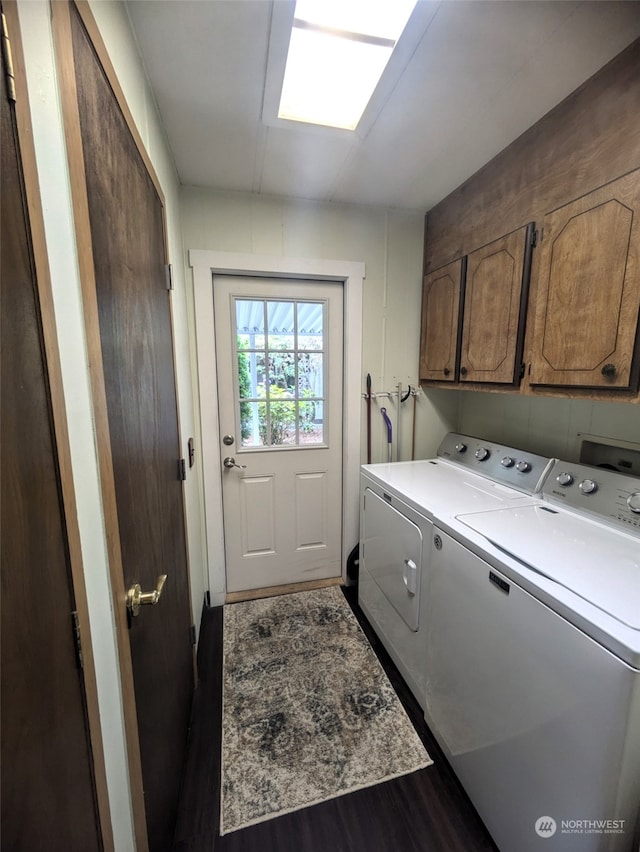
{"type": "Point", "coordinates": [230, 462]}
{"type": "Point", "coordinates": [137, 598]}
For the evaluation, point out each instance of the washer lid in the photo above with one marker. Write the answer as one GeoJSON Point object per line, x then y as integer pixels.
{"type": "Point", "coordinates": [599, 564]}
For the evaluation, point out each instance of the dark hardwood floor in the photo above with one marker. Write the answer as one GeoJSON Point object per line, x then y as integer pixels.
{"type": "Point", "coordinates": [426, 811]}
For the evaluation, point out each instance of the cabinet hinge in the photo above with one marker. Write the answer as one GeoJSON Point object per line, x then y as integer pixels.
{"type": "Point", "coordinates": [522, 369]}
{"type": "Point", "coordinates": [8, 61]}
{"type": "Point", "coordinates": [182, 470]}
{"type": "Point", "coordinates": [77, 642]}
{"type": "Point", "coordinates": [534, 238]}
{"type": "Point", "coordinates": [192, 634]}
{"type": "Point", "coordinates": [168, 276]}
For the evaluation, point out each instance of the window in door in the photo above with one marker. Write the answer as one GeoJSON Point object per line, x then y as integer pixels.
{"type": "Point", "coordinates": [280, 383]}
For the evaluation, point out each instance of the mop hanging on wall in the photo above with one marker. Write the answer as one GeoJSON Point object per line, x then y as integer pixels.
{"type": "Point", "coordinates": [387, 421]}
{"type": "Point", "coordinates": [401, 396]}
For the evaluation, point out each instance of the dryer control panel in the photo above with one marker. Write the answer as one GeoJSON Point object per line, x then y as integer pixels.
{"type": "Point", "coordinates": [508, 465]}
{"type": "Point", "coordinates": [611, 496]}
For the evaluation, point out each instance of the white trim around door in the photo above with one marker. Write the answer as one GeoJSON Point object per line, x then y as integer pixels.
{"type": "Point", "coordinates": [205, 265]}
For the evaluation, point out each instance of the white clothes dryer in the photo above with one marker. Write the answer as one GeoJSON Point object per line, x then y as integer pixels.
{"type": "Point", "coordinates": [398, 504]}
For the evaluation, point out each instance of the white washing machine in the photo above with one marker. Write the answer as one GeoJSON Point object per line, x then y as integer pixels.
{"type": "Point", "coordinates": [533, 662]}
{"type": "Point", "coordinates": [397, 507]}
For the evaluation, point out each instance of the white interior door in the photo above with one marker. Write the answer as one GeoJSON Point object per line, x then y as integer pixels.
{"type": "Point", "coordinates": [279, 355]}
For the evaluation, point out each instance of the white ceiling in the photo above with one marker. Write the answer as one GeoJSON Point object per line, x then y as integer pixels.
{"type": "Point", "coordinates": [478, 73]}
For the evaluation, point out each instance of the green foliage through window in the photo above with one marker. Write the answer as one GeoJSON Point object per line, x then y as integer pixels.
{"type": "Point", "coordinates": [244, 384]}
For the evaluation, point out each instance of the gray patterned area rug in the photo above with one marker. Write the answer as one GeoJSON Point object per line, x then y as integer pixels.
{"type": "Point", "coordinates": [308, 712]}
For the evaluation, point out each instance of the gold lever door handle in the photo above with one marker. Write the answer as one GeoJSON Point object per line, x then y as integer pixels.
{"type": "Point", "coordinates": [137, 598]}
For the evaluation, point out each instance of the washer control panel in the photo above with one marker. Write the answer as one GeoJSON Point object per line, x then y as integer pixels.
{"type": "Point", "coordinates": [611, 496]}
{"type": "Point", "coordinates": [505, 465]}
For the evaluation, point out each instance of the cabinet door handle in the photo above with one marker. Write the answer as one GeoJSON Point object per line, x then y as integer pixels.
{"type": "Point", "coordinates": [446, 371]}
{"type": "Point", "coordinates": [463, 371]}
{"type": "Point", "coordinates": [609, 371]}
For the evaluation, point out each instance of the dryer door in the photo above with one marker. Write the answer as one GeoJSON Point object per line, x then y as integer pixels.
{"type": "Point", "coordinates": [392, 556]}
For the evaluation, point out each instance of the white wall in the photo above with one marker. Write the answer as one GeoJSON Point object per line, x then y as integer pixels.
{"type": "Point", "coordinates": [44, 99]}
{"type": "Point", "coordinates": [548, 426]}
{"type": "Point", "coordinates": [388, 242]}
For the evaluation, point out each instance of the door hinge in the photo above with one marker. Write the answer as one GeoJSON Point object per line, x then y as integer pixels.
{"type": "Point", "coordinates": [168, 276]}
{"type": "Point", "coordinates": [192, 634]}
{"type": "Point", "coordinates": [182, 470]}
{"type": "Point", "coordinates": [75, 626]}
{"type": "Point", "coordinates": [8, 61]}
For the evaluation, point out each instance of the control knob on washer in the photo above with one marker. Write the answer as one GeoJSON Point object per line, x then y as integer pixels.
{"type": "Point", "coordinates": [482, 453]}
{"type": "Point", "coordinates": [507, 461]}
{"type": "Point", "coordinates": [588, 486]}
{"type": "Point", "coordinates": [564, 479]}
{"type": "Point", "coordinates": [461, 448]}
{"type": "Point", "coordinates": [633, 502]}
{"type": "Point", "coordinates": [523, 466]}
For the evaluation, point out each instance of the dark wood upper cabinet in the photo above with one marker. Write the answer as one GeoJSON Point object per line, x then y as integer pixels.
{"type": "Point", "coordinates": [495, 303]}
{"type": "Point", "coordinates": [442, 296]}
{"type": "Point", "coordinates": [588, 295]}
{"type": "Point", "coordinates": [575, 173]}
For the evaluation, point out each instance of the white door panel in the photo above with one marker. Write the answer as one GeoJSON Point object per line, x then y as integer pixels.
{"type": "Point", "coordinates": [257, 505]}
{"type": "Point", "coordinates": [279, 361]}
{"type": "Point", "coordinates": [311, 504]}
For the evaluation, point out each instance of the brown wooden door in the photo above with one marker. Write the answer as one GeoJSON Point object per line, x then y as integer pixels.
{"type": "Point", "coordinates": [588, 294]}
{"type": "Point", "coordinates": [127, 235]}
{"type": "Point", "coordinates": [48, 793]}
{"type": "Point", "coordinates": [442, 295]}
{"type": "Point", "coordinates": [495, 303]}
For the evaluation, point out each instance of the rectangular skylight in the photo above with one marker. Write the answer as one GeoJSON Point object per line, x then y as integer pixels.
{"type": "Point", "coordinates": [337, 53]}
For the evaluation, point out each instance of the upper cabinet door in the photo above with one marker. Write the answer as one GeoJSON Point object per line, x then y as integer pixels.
{"type": "Point", "coordinates": [495, 304]}
{"type": "Point", "coordinates": [442, 297]}
{"type": "Point", "coordinates": [589, 290]}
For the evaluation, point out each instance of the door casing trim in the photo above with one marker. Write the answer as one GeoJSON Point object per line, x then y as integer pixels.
{"type": "Point", "coordinates": [207, 264]}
